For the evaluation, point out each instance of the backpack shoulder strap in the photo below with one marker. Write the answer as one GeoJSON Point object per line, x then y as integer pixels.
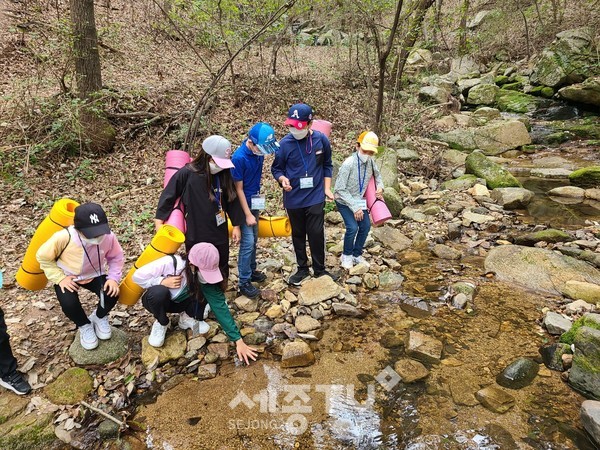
{"type": "Point", "coordinates": [66, 245]}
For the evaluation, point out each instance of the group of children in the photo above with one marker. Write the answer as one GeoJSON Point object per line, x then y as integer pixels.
{"type": "Point", "coordinates": [214, 187]}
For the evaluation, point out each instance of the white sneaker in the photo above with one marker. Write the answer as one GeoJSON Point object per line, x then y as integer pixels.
{"type": "Point", "coordinates": [87, 337]}
{"type": "Point", "coordinates": [206, 311]}
{"type": "Point", "coordinates": [197, 326]}
{"type": "Point", "coordinates": [157, 335]}
{"type": "Point", "coordinates": [360, 260]}
{"type": "Point", "coordinates": [101, 326]}
{"type": "Point", "coordinates": [347, 261]}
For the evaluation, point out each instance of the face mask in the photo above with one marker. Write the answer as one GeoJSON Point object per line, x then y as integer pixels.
{"type": "Point", "coordinates": [363, 157]}
{"type": "Point", "coordinates": [255, 151]}
{"type": "Point", "coordinates": [298, 134]}
{"type": "Point", "coordinates": [201, 278]}
{"type": "Point", "coordinates": [92, 241]}
{"type": "Point", "coordinates": [214, 168]}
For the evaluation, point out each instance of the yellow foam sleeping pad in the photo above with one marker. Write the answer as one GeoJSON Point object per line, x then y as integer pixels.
{"type": "Point", "coordinates": [166, 241]}
{"type": "Point", "coordinates": [30, 275]}
{"type": "Point", "coordinates": [271, 226]}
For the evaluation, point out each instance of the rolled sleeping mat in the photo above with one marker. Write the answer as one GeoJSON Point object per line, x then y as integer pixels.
{"type": "Point", "coordinates": [271, 226]}
{"type": "Point", "coordinates": [166, 241]}
{"type": "Point", "coordinates": [30, 275]}
{"type": "Point", "coordinates": [322, 125]}
{"type": "Point", "coordinates": [175, 160]}
{"type": "Point", "coordinates": [378, 210]}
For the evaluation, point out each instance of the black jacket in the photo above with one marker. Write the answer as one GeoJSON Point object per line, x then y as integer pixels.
{"type": "Point", "coordinates": [200, 210]}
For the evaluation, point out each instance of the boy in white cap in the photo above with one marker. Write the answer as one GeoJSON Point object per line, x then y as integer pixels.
{"type": "Point", "coordinates": [247, 173]}
{"type": "Point", "coordinates": [76, 257]}
{"type": "Point", "coordinates": [350, 187]}
{"type": "Point", "coordinates": [209, 197]}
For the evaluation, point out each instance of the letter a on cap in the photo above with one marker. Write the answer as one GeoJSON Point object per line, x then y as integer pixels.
{"type": "Point", "coordinates": [295, 114]}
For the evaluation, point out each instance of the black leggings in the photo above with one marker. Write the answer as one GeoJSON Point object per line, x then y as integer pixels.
{"type": "Point", "coordinates": [8, 363]}
{"type": "Point", "coordinates": [71, 306]}
{"type": "Point", "coordinates": [157, 300]}
{"type": "Point", "coordinates": [309, 222]}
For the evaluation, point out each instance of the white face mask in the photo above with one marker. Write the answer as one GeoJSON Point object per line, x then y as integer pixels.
{"type": "Point", "coordinates": [214, 168]}
{"type": "Point", "coordinates": [201, 278]}
{"type": "Point", "coordinates": [363, 157]}
{"type": "Point", "coordinates": [92, 241]}
{"type": "Point", "coordinates": [298, 134]}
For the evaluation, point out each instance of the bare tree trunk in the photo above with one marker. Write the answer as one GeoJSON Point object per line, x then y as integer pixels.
{"type": "Point", "coordinates": [462, 29]}
{"type": "Point", "coordinates": [85, 46]}
{"type": "Point", "coordinates": [411, 37]}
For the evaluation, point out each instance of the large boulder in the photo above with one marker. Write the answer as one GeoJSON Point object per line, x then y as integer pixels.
{"type": "Point", "coordinates": [391, 238]}
{"type": "Point", "coordinates": [317, 290]}
{"type": "Point", "coordinates": [174, 348]}
{"type": "Point", "coordinates": [580, 290]}
{"type": "Point", "coordinates": [493, 138]}
{"type": "Point", "coordinates": [538, 269]}
{"type": "Point", "coordinates": [550, 235]}
{"type": "Point", "coordinates": [433, 95]}
{"type": "Point", "coordinates": [588, 177]}
{"type": "Point", "coordinates": [71, 387]}
{"type": "Point", "coordinates": [517, 102]}
{"type": "Point", "coordinates": [482, 94]}
{"type": "Point", "coordinates": [590, 418]}
{"type": "Point", "coordinates": [393, 201]}
{"type": "Point", "coordinates": [387, 161]}
{"type": "Point", "coordinates": [586, 92]}
{"type": "Point", "coordinates": [571, 58]}
{"type": "Point", "coordinates": [585, 375]}
{"type": "Point", "coordinates": [464, 67]}
{"type": "Point", "coordinates": [494, 174]}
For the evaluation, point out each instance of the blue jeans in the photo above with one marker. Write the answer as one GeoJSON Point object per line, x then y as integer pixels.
{"type": "Point", "coordinates": [247, 254]}
{"type": "Point", "coordinates": [356, 231]}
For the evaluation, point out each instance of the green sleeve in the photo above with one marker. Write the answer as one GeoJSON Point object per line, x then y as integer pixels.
{"type": "Point", "coordinates": [216, 299]}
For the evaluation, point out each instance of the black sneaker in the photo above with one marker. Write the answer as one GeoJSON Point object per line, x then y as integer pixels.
{"type": "Point", "coordinates": [16, 383]}
{"type": "Point", "coordinates": [297, 278]}
{"type": "Point", "coordinates": [249, 290]}
{"type": "Point", "coordinates": [258, 277]}
{"type": "Point", "coordinates": [333, 276]}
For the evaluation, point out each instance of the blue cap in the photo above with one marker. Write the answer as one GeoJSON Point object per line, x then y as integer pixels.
{"type": "Point", "coordinates": [263, 136]}
{"type": "Point", "coordinates": [299, 115]}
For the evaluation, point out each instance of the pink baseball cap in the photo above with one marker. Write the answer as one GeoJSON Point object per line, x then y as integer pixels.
{"type": "Point", "coordinates": [220, 149]}
{"type": "Point", "coordinates": [205, 257]}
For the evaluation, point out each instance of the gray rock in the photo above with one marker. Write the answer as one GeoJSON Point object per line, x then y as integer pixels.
{"type": "Point", "coordinates": [410, 370]}
{"type": "Point", "coordinates": [413, 214]}
{"type": "Point", "coordinates": [393, 201]}
{"type": "Point", "coordinates": [512, 197]}
{"type": "Point", "coordinates": [578, 306]}
{"type": "Point", "coordinates": [390, 281]}
{"type": "Point", "coordinates": [387, 161]}
{"type": "Point", "coordinates": [211, 358]}
{"type": "Point", "coordinates": [461, 183]}
{"type": "Point", "coordinates": [584, 375]}
{"type": "Point", "coordinates": [246, 304]}
{"type": "Point", "coordinates": [220, 349]}
{"type": "Point", "coordinates": [492, 138]}
{"type": "Point", "coordinates": [207, 371]}
{"type": "Point", "coordinates": [196, 344]}
{"type": "Point", "coordinates": [518, 374]}
{"type": "Point", "coordinates": [548, 235]}
{"type": "Point", "coordinates": [407, 154]}
{"type": "Point", "coordinates": [334, 217]}
{"type": "Point", "coordinates": [470, 217]}
{"type": "Point", "coordinates": [107, 429]}
{"type": "Point", "coordinates": [423, 347]}
{"type": "Point", "coordinates": [263, 324]}
{"type": "Point", "coordinates": [359, 269]}
{"type": "Point", "coordinates": [317, 290]}
{"type": "Point", "coordinates": [495, 399]}
{"type": "Point", "coordinates": [590, 418]}
{"type": "Point", "coordinates": [454, 157]}
{"type": "Point", "coordinates": [297, 354]}
{"type": "Point", "coordinates": [391, 238]}
{"type": "Point", "coordinates": [587, 177]}
{"type": "Point", "coordinates": [495, 175]}
{"type": "Point", "coordinates": [480, 17]}
{"type": "Point", "coordinates": [256, 338]}
{"type": "Point", "coordinates": [445, 252]}
{"type": "Point", "coordinates": [538, 269]}
{"type": "Point", "coordinates": [460, 301]}
{"type": "Point", "coordinates": [464, 287]}
{"type": "Point", "coordinates": [551, 173]}
{"type": "Point", "coordinates": [306, 323]}
{"type": "Point", "coordinates": [462, 66]}
{"type": "Point", "coordinates": [483, 94]}
{"type": "Point", "coordinates": [581, 290]}
{"type": "Point", "coordinates": [343, 309]}
{"type": "Point", "coordinates": [270, 265]}
{"type": "Point", "coordinates": [552, 355]}
{"type": "Point", "coordinates": [568, 191]}
{"type": "Point", "coordinates": [354, 280]}
{"type": "Point", "coordinates": [556, 323]}
{"type": "Point", "coordinates": [486, 114]}
{"type": "Point", "coordinates": [107, 351]}
{"type": "Point", "coordinates": [433, 95]}
{"type": "Point", "coordinates": [586, 92]}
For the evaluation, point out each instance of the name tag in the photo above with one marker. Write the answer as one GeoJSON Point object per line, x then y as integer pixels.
{"type": "Point", "coordinates": [257, 202]}
{"type": "Point", "coordinates": [362, 204]}
{"type": "Point", "coordinates": [306, 182]}
{"type": "Point", "coordinates": [220, 217]}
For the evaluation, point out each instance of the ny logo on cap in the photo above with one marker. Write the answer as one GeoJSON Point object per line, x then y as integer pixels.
{"type": "Point", "coordinates": [94, 218]}
{"type": "Point", "coordinates": [295, 114]}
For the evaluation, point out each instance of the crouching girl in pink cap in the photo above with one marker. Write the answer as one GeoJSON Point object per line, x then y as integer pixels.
{"type": "Point", "coordinates": [199, 280]}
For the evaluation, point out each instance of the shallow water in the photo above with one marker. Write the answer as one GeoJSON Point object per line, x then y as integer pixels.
{"type": "Point", "coordinates": [351, 399]}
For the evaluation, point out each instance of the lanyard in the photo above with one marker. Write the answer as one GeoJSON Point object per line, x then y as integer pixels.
{"type": "Point", "coordinates": [361, 184]}
{"type": "Point", "coordinates": [99, 271]}
{"type": "Point", "coordinates": [307, 152]}
{"type": "Point", "coordinates": [218, 192]}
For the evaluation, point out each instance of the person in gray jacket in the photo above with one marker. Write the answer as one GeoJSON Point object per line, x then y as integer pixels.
{"type": "Point", "coordinates": [350, 187]}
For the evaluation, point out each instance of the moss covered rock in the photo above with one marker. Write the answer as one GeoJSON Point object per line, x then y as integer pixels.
{"type": "Point", "coordinates": [494, 174]}
{"type": "Point", "coordinates": [461, 183]}
{"type": "Point", "coordinates": [585, 371]}
{"type": "Point", "coordinates": [542, 91]}
{"type": "Point", "coordinates": [71, 387]}
{"type": "Point", "coordinates": [586, 92]}
{"type": "Point", "coordinates": [588, 177]}
{"type": "Point", "coordinates": [393, 200]}
{"type": "Point", "coordinates": [550, 235]}
{"type": "Point", "coordinates": [482, 94]}
{"type": "Point", "coordinates": [27, 432]}
{"type": "Point", "coordinates": [514, 101]}
{"type": "Point", "coordinates": [580, 290]}
{"type": "Point", "coordinates": [107, 351]}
